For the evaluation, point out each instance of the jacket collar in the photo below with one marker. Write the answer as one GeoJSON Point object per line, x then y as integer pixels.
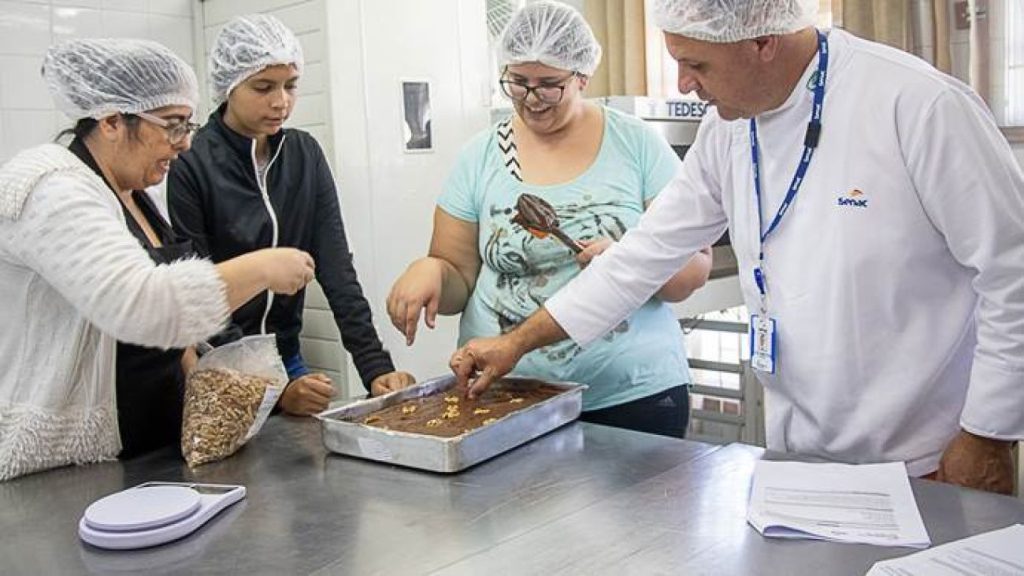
{"type": "Point", "coordinates": [79, 149]}
{"type": "Point", "coordinates": [242, 145]}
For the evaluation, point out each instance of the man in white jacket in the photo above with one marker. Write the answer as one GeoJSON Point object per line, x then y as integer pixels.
{"type": "Point", "coordinates": [877, 215]}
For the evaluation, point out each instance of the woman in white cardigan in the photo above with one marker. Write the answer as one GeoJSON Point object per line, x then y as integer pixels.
{"type": "Point", "coordinates": [73, 278]}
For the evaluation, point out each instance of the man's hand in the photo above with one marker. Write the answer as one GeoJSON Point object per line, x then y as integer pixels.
{"type": "Point", "coordinates": [486, 359]}
{"type": "Point", "coordinates": [307, 395]}
{"type": "Point", "coordinates": [390, 382]}
{"type": "Point", "coordinates": [976, 462]}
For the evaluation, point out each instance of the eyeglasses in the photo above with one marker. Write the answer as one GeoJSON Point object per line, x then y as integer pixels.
{"type": "Point", "coordinates": [176, 131]}
{"type": "Point", "coordinates": [546, 93]}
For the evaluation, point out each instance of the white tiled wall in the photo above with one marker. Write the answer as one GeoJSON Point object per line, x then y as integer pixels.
{"type": "Point", "coordinates": [28, 27]}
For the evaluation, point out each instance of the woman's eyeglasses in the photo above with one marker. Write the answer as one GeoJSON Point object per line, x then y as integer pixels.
{"type": "Point", "coordinates": [547, 93]}
{"type": "Point", "coordinates": [176, 131]}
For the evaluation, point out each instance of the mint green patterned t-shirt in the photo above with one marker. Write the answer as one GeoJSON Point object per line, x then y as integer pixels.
{"type": "Point", "coordinates": [642, 356]}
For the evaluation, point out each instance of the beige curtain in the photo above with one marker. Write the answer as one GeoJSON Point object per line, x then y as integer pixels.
{"type": "Point", "coordinates": [619, 27]}
{"type": "Point", "coordinates": [941, 52]}
{"type": "Point", "coordinates": [885, 21]}
{"type": "Point", "coordinates": [917, 26]}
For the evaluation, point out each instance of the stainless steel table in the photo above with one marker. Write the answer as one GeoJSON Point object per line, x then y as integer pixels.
{"type": "Point", "coordinates": [584, 499]}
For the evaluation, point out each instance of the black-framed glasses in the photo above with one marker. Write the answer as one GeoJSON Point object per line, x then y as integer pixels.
{"type": "Point", "coordinates": [176, 131]}
{"type": "Point", "coordinates": [547, 93]}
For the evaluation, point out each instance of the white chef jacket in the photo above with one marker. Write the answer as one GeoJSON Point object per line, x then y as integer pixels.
{"type": "Point", "coordinates": [896, 277]}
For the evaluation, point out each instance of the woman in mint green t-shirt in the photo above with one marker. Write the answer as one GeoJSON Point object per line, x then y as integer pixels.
{"type": "Point", "coordinates": [599, 169]}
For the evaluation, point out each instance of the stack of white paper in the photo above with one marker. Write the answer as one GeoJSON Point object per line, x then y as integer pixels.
{"type": "Point", "coordinates": [998, 553]}
{"type": "Point", "coordinates": [867, 504]}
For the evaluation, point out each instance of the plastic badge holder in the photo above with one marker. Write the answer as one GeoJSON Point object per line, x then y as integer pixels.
{"type": "Point", "coordinates": [154, 513]}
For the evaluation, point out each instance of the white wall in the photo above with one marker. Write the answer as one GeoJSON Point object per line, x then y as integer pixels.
{"type": "Point", "coordinates": [388, 195]}
{"type": "Point", "coordinates": [28, 27]}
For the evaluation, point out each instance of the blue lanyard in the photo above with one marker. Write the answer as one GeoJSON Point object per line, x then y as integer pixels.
{"type": "Point", "coordinates": [810, 143]}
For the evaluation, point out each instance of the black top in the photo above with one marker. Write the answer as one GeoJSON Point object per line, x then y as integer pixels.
{"type": "Point", "coordinates": [215, 200]}
{"type": "Point", "coordinates": [150, 381]}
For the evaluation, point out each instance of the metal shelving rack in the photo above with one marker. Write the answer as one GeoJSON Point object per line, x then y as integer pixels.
{"type": "Point", "coordinates": [719, 427]}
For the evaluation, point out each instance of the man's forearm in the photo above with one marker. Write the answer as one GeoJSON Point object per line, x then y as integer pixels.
{"type": "Point", "coordinates": [540, 329]}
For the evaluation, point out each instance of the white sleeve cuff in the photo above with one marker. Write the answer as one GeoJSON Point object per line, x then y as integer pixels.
{"type": "Point", "coordinates": [568, 310]}
{"type": "Point", "coordinates": [995, 402]}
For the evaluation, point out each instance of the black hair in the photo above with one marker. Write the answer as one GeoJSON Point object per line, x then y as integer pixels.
{"type": "Point", "coordinates": [86, 126]}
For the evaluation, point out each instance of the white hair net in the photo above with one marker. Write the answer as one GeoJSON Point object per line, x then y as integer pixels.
{"type": "Point", "coordinates": [99, 77]}
{"type": "Point", "coordinates": [733, 20]}
{"type": "Point", "coordinates": [553, 34]}
{"type": "Point", "coordinates": [247, 45]}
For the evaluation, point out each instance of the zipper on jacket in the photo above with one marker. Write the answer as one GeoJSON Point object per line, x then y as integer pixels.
{"type": "Point", "coordinates": [262, 184]}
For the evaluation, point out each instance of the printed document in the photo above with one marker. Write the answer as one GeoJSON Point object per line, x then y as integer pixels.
{"type": "Point", "coordinates": [866, 503]}
{"type": "Point", "coordinates": [998, 553]}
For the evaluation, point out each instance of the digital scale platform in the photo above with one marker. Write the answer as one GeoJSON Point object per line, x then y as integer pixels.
{"type": "Point", "coordinates": [154, 513]}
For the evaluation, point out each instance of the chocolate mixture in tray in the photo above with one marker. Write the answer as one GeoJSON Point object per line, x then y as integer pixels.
{"type": "Point", "coordinates": [450, 413]}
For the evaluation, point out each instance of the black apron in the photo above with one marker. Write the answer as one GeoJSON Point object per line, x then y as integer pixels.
{"type": "Point", "coordinates": [150, 381]}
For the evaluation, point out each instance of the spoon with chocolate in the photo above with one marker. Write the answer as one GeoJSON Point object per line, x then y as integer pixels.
{"type": "Point", "coordinates": [539, 219]}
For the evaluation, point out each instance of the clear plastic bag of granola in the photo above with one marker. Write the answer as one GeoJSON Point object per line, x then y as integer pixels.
{"type": "Point", "coordinates": [228, 397]}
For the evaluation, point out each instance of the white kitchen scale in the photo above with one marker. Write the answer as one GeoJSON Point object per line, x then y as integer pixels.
{"type": "Point", "coordinates": [154, 513]}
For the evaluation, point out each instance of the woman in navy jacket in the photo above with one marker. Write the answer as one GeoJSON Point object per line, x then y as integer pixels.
{"type": "Point", "coordinates": [249, 183]}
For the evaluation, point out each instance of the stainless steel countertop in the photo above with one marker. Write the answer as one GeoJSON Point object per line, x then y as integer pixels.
{"type": "Point", "coordinates": [584, 499]}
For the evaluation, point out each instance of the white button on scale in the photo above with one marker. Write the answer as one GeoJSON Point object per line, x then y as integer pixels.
{"type": "Point", "coordinates": [154, 513]}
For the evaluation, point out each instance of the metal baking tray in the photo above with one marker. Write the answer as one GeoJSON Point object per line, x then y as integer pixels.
{"type": "Point", "coordinates": [344, 433]}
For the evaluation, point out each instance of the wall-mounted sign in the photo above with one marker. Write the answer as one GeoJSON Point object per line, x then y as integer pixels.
{"type": "Point", "coordinates": [416, 129]}
{"type": "Point", "coordinates": [686, 108]}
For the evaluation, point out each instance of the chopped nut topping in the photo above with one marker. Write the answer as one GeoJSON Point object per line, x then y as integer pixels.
{"type": "Point", "coordinates": [221, 405]}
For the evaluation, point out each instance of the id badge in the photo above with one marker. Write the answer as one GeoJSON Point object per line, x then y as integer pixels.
{"type": "Point", "coordinates": [762, 343]}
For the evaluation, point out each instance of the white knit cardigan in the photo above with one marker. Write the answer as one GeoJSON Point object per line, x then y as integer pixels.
{"type": "Point", "coordinates": [73, 281]}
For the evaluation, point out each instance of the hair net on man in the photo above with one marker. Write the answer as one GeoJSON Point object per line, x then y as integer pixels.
{"type": "Point", "coordinates": [99, 77]}
{"type": "Point", "coordinates": [733, 20]}
{"type": "Point", "coordinates": [553, 34]}
{"type": "Point", "coordinates": [245, 46]}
